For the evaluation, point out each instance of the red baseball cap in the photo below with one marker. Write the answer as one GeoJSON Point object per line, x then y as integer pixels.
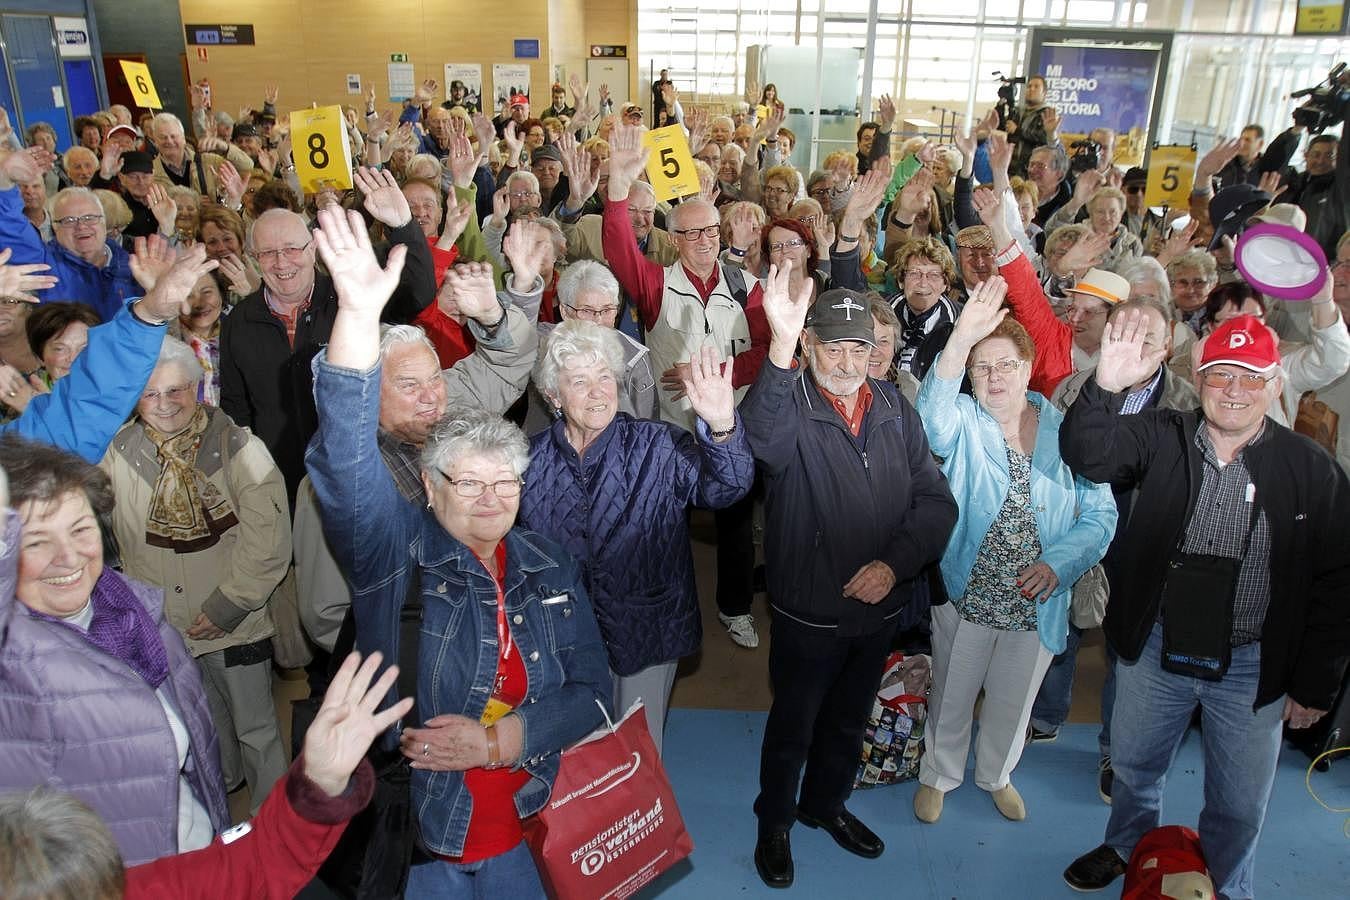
{"type": "Point", "coordinates": [1241, 341]}
{"type": "Point", "coordinates": [520, 100]}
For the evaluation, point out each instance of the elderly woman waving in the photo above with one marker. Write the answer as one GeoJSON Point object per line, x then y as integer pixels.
{"type": "Point", "coordinates": [511, 666]}
{"type": "Point", "coordinates": [201, 512]}
{"type": "Point", "coordinates": [614, 491]}
{"type": "Point", "coordinates": [1027, 530]}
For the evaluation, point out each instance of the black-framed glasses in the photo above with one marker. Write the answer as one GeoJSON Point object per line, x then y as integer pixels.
{"type": "Point", "coordinates": [693, 234]}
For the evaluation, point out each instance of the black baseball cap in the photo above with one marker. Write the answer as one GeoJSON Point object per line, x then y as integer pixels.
{"type": "Point", "coordinates": [842, 315]}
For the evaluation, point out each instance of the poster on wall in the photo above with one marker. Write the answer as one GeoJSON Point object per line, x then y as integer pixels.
{"type": "Point", "coordinates": [508, 80]}
{"type": "Point", "coordinates": [72, 37]}
{"type": "Point", "coordinates": [464, 85]}
{"type": "Point", "coordinates": [1110, 84]}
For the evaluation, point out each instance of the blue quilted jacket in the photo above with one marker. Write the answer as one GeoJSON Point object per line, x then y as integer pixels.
{"type": "Point", "coordinates": [621, 511]}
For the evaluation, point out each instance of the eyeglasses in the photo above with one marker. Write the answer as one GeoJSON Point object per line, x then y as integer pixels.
{"type": "Point", "coordinates": [271, 256]}
{"type": "Point", "coordinates": [781, 246]}
{"type": "Point", "coordinates": [1134, 188]}
{"type": "Point", "coordinates": [522, 195]}
{"type": "Point", "coordinates": [644, 213]}
{"type": "Point", "coordinates": [469, 488]}
{"type": "Point", "coordinates": [602, 314]}
{"type": "Point", "coordinates": [1037, 167]}
{"type": "Point", "coordinates": [1248, 381]}
{"type": "Point", "coordinates": [777, 190]}
{"type": "Point", "coordinates": [980, 371]}
{"type": "Point", "coordinates": [693, 234]}
{"type": "Point", "coordinates": [172, 394]}
{"type": "Point", "coordinates": [934, 277]}
{"type": "Point", "coordinates": [1190, 283]}
{"type": "Point", "coordinates": [72, 221]}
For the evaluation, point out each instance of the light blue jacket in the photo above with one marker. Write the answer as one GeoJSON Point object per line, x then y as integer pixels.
{"type": "Point", "coordinates": [1075, 518]}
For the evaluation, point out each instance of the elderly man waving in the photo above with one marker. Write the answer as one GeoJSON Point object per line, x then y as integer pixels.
{"type": "Point", "coordinates": [1230, 594]}
{"type": "Point", "coordinates": [855, 508]}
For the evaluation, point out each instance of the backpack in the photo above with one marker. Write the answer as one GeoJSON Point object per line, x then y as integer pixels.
{"type": "Point", "coordinates": [1318, 421]}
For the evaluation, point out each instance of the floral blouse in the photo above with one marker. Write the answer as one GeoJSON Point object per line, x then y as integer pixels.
{"type": "Point", "coordinates": [993, 598]}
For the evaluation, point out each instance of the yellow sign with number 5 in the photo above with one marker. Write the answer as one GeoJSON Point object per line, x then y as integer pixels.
{"type": "Point", "coordinates": [322, 154]}
{"type": "Point", "coordinates": [142, 87]}
{"type": "Point", "coordinates": [1171, 173]}
{"type": "Point", "coordinates": [670, 168]}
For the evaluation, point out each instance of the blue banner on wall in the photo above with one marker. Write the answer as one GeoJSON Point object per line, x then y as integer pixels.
{"type": "Point", "coordinates": [1100, 86]}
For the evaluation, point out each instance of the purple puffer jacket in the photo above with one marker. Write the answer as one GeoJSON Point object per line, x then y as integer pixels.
{"type": "Point", "coordinates": [79, 720]}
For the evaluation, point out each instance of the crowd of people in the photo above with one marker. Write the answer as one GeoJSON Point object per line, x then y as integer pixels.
{"type": "Point", "coordinates": [455, 418]}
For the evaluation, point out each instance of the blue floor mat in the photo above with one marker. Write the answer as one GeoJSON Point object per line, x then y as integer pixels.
{"type": "Point", "coordinates": [712, 757]}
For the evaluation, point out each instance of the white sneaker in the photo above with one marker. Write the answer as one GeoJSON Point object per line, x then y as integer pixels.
{"type": "Point", "coordinates": [741, 629]}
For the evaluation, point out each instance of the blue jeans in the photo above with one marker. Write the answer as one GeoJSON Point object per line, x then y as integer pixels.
{"type": "Point", "coordinates": [1241, 747]}
{"type": "Point", "coordinates": [510, 874]}
{"type": "Point", "coordinates": [1051, 708]}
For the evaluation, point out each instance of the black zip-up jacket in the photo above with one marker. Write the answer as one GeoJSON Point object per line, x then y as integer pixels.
{"type": "Point", "coordinates": [1305, 641]}
{"type": "Point", "coordinates": [268, 387]}
{"type": "Point", "coordinates": [835, 503]}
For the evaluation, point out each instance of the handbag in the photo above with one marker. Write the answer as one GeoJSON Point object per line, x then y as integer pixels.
{"type": "Point", "coordinates": [290, 647]}
{"type": "Point", "coordinates": [611, 824]}
{"type": "Point", "coordinates": [1087, 603]}
{"type": "Point", "coordinates": [1318, 421]}
{"type": "Point", "coordinates": [893, 742]}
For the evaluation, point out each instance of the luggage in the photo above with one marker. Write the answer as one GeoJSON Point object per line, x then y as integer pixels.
{"type": "Point", "coordinates": [1331, 733]}
{"type": "Point", "coordinates": [1168, 863]}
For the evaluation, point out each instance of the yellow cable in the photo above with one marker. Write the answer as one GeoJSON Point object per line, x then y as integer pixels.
{"type": "Point", "coordinates": [1307, 782]}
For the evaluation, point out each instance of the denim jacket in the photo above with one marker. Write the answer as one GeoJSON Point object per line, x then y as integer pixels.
{"type": "Point", "coordinates": [1075, 518]}
{"type": "Point", "coordinates": [382, 542]}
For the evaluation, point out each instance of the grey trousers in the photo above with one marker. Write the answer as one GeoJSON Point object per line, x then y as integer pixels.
{"type": "Point", "coordinates": [652, 686]}
{"type": "Point", "coordinates": [246, 720]}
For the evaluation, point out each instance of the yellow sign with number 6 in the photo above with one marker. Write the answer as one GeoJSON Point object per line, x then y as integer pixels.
{"type": "Point", "coordinates": [142, 86]}
{"type": "Point", "coordinates": [1171, 173]}
{"type": "Point", "coordinates": [670, 168]}
{"type": "Point", "coordinates": [322, 154]}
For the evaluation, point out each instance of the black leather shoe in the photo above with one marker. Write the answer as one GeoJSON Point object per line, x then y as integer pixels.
{"type": "Point", "coordinates": [848, 832]}
{"type": "Point", "coordinates": [773, 859]}
{"type": "Point", "coordinates": [1095, 869]}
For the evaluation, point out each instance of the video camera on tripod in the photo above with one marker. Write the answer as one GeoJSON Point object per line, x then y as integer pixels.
{"type": "Point", "coordinates": [1328, 102]}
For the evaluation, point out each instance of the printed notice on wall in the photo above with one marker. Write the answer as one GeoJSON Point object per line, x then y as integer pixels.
{"type": "Point", "coordinates": [402, 81]}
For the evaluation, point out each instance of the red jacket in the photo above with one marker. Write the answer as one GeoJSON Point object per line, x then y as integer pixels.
{"type": "Point", "coordinates": [270, 858]}
{"type": "Point", "coordinates": [1031, 308]}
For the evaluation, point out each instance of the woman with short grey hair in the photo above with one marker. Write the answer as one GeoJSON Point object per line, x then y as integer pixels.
{"type": "Point", "coordinates": [201, 513]}
{"type": "Point", "coordinates": [614, 491]}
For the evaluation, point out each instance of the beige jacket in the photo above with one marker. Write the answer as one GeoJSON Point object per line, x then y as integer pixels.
{"type": "Point", "coordinates": [583, 242]}
{"type": "Point", "coordinates": [210, 162]}
{"type": "Point", "coordinates": [231, 581]}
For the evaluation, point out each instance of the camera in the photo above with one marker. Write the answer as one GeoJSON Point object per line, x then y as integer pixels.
{"type": "Point", "coordinates": [1007, 98]}
{"type": "Point", "coordinates": [1328, 102]}
{"type": "Point", "coordinates": [1086, 155]}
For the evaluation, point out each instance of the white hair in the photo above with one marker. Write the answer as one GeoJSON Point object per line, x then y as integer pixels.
{"type": "Point", "coordinates": [424, 166]}
{"type": "Point", "coordinates": [576, 339]}
{"type": "Point", "coordinates": [174, 352]}
{"type": "Point", "coordinates": [395, 335]}
{"type": "Point", "coordinates": [677, 216]}
{"type": "Point", "coordinates": [520, 176]}
{"type": "Point", "coordinates": [165, 120]}
{"type": "Point", "coordinates": [474, 433]}
{"type": "Point", "coordinates": [1145, 269]}
{"type": "Point", "coordinates": [70, 193]}
{"type": "Point", "coordinates": [586, 275]}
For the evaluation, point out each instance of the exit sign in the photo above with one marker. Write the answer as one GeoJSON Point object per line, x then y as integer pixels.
{"type": "Point", "coordinates": [398, 57]}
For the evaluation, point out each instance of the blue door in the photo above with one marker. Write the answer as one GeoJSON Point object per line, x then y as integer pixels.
{"type": "Point", "coordinates": [36, 70]}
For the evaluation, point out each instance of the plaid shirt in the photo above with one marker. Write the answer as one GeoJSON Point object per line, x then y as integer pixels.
{"type": "Point", "coordinates": [404, 462]}
{"type": "Point", "coordinates": [1218, 527]}
{"type": "Point", "coordinates": [1135, 401]}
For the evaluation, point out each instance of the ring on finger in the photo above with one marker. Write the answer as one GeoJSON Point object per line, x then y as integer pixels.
{"type": "Point", "coordinates": [426, 749]}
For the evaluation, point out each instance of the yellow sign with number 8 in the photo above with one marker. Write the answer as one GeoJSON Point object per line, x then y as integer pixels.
{"type": "Point", "coordinates": [322, 154]}
{"type": "Point", "coordinates": [670, 168]}
{"type": "Point", "coordinates": [142, 86]}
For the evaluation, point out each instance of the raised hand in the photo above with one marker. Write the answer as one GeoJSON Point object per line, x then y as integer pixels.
{"type": "Point", "coordinates": [669, 95]}
{"type": "Point", "coordinates": [1051, 119]}
{"type": "Point", "coordinates": [1212, 162]}
{"type": "Point", "coordinates": [696, 120]}
{"type": "Point", "coordinates": [967, 144]}
{"type": "Point", "coordinates": [475, 292]}
{"type": "Point", "coordinates": [785, 312]}
{"type": "Point", "coordinates": [913, 199]}
{"type": "Point", "coordinates": [267, 161]}
{"type": "Point", "coordinates": [1000, 154]}
{"type": "Point", "coordinates": [581, 168]}
{"type": "Point", "coordinates": [18, 167]}
{"type": "Point", "coordinates": [868, 192]}
{"type": "Point", "coordinates": [15, 390]}
{"type": "Point", "coordinates": [462, 161]}
{"type": "Point", "coordinates": [578, 88]}
{"type": "Point", "coordinates": [347, 722]}
{"type": "Point", "coordinates": [515, 143]}
{"type": "Point", "coordinates": [482, 127]}
{"type": "Point", "coordinates": [604, 94]}
{"type": "Point", "coordinates": [988, 125]}
{"type": "Point", "coordinates": [384, 199]}
{"type": "Point", "coordinates": [426, 91]}
{"type": "Point", "coordinates": [16, 282]}
{"type": "Point", "coordinates": [240, 276]}
{"type": "Point", "coordinates": [110, 160]}
{"type": "Point", "coordinates": [1270, 184]}
{"type": "Point", "coordinates": [980, 316]}
{"type": "Point", "coordinates": [370, 99]}
{"type": "Point", "coordinates": [270, 94]}
{"type": "Point", "coordinates": [197, 96]}
{"type": "Point", "coordinates": [1088, 183]}
{"type": "Point", "coordinates": [501, 207]}
{"type": "Point", "coordinates": [627, 157]}
{"type": "Point", "coordinates": [212, 144]}
{"type": "Point", "coordinates": [745, 227]}
{"type": "Point", "coordinates": [456, 219]}
{"type": "Point", "coordinates": [927, 154]}
{"type": "Point", "coordinates": [525, 247]}
{"type": "Point", "coordinates": [885, 112]}
{"type": "Point", "coordinates": [169, 297]}
{"type": "Point", "coordinates": [344, 245]}
{"type": "Point", "coordinates": [1086, 252]}
{"type": "Point", "coordinates": [163, 207]}
{"type": "Point", "coordinates": [1125, 358]}
{"type": "Point", "coordinates": [707, 385]}
{"type": "Point", "coordinates": [1177, 243]}
{"type": "Point", "coordinates": [151, 259]}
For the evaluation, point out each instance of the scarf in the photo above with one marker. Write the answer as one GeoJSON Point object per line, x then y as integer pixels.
{"type": "Point", "coordinates": [122, 628]}
{"type": "Point", "coordinates": [915, 327]}
{"type": "Point", "coordinates": [187, 513]}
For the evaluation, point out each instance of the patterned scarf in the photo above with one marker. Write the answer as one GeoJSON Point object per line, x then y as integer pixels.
{"type": "Point", "coordinates": [187, 513]}
{"type": "Point", "coordinates": [122, 627]}
{"type": "Point", "coordinates": [914, 327]}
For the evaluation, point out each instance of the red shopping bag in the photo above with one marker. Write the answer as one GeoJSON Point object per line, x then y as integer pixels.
{"type": "Point", "coordinates": [611, 824]}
